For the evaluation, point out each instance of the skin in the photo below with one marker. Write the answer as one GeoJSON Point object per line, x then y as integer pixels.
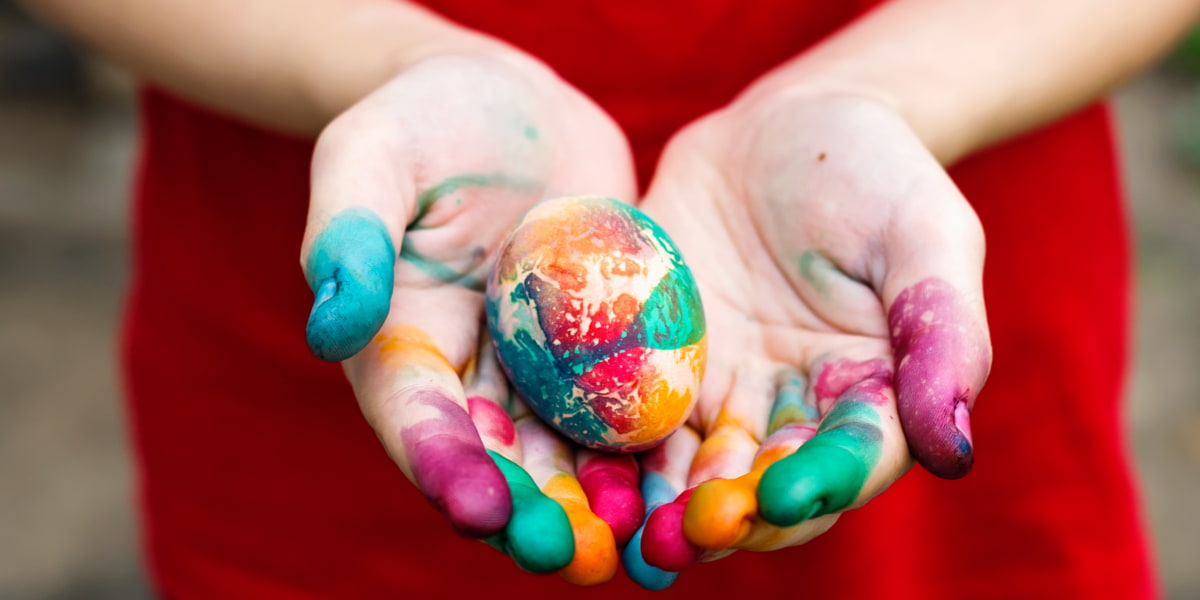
{"type": "Point", "coordinates": [567, 503]}
{"type": "Point", "coordinates": [445, 204]}
{"type": "Point", "coordinates": [837, 152]}
{"type": "Point", "coordinates": [836, 178]}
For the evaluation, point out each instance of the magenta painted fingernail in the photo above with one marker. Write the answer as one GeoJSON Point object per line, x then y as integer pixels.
{"type": "Point", "coordinates": [942, 359]}
{"type": "Point", "coordinates": [452, 467]}
{"type": "Point", "coordinates": [611, 485]}
{"type": "Point", "coordinates": [663, 543]}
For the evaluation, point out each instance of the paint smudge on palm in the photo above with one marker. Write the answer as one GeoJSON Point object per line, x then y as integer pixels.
{"type": "Point", "coordinates": [942, 361]}
{"type": "Point", "coordinates": [350, 271]}
{"type": "Point", "coordinates": [598, 323]}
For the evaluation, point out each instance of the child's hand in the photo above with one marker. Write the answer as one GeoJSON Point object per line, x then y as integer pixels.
{"type": "Point", "coordinates": [412, 190]}
{"type": "Point", "coordinates": [841, 273]}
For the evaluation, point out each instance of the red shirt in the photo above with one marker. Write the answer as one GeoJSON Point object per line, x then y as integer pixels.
{"type": "Point", "coordinates": [260, 479]}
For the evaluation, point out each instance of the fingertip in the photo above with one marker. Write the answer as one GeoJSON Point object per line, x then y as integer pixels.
{"type": "Point", "coordinates": [815, 480]}
{"type": "Point", "coordinates": [611, 485]}
{"type": "Point", "coordinates": [942, 360]}
{"type": "Point", "coordinates": [472, 493]}
{"type": "Point", "coordinates": [540, 538]}
{"type": "Point", "coordinates": [663, 542]}
{"type": "Point", "coordinates": [642, 573]}
{"type": "Point", "coordinates": [717, 515]}
{"type": "Point", "coordinates": [350, 269]}
{"type": "Point", "coordinates": [596, 558]}
{"type": "Point", "coordinates": [538, 535]}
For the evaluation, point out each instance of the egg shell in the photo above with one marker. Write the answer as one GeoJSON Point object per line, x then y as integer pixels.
{"type": "Point", "coordinates": [598, 323]}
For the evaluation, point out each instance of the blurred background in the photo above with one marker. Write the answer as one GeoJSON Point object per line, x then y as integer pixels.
{"type": "Point", "coordinates": [67, 137]}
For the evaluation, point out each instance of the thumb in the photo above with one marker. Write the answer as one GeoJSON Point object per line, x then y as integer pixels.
{"type": "Point", "coordinates": [933, 293]}
{"type": "Point", "coordinates": [356, 217]}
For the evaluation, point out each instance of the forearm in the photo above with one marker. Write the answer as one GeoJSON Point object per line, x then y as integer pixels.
{"type": "Point", "coordinates": [285, 64]}
{"type": "Point", "coordinates": [968, 73]}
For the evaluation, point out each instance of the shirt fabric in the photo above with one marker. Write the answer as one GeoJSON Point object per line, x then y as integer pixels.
{"type": "Point", "coordinates": [259, 478]}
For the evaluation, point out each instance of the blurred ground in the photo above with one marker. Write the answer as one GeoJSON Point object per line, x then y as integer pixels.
{"type": "Point", "coordinates": [66, 526]}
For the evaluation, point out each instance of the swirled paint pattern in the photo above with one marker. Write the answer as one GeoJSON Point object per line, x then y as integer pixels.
{"type": "Point", "coordinates": [598, 323]}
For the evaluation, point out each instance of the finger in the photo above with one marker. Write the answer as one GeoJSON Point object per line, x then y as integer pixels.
{"type": "Point", "coordinates": [359, 207]}
{"type": "Point", "coordinates": [550, 461]}
{"type": "Point", "coordinates": [655, 549]}
{"type": "Point", "coordinates": [722, 468]}
{"type": "Point", "coordinates": [727, 452]}
{"type": "Point", "coordinates": [349, 268]}
{"type": "Point", "coordinates": [610, 482]}
{"type": "Point", "coordinates": [487, 401]}
{"type": "Point", "coordinates": [723, 513]}
{"type": "Point", "coordinates": [932, 288]}
{"type": "Point", "coordinates": [538, 537]}
{"type": "Point", "coordinates": [412, 396]}
{"type": "Point", "coordinates": [857, 452]}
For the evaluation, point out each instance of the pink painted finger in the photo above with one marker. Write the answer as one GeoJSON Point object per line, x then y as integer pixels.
{"type": "Point", "coordinates": [942, 357]}
{"type": "Point", "coordinates": [487, 396]}
{"type": "Point", "coordinates": [932, 290]}
{"type": "Point", "coordinates": [664, 481]}
{"type": "Point", "coordinates": [611, 484]}
{"type": "Point", "coordinates": [413, 398]}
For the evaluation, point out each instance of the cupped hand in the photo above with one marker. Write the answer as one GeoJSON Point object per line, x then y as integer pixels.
{"type": "Point", "coordinates": [413, 189]}
{"type": "Point", "coordinates": [841, 271]}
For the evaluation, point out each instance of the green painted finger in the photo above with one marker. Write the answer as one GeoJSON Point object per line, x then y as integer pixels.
{"type": "Point", "coordinates": [827, 473]}
{"type": "Point", "coordinates": [538, 536]}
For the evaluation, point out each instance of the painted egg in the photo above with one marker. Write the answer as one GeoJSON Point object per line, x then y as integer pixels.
{"type": "Point", "coordinates": [598, 323]}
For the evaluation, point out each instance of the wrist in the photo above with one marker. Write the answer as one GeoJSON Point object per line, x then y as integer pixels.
{"type": "Point", "coordinates": [373, 43]}
{"type": "Point", "coordinates": [942, 129]}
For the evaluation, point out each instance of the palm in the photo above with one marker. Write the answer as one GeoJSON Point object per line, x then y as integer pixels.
{"type": "Point", "coordinates": [805, 223]}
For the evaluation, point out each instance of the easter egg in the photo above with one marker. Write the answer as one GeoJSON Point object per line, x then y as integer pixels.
{"type": "Point", "coordinates": [597, 321]}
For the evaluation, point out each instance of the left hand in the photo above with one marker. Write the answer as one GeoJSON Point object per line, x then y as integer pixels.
{"type": "Point", "coordinates": [841, 275]}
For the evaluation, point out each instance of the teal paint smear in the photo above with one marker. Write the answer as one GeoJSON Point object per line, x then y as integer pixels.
{"type": "Point", "coordinates": [656, 491]}
{"type": "Point", "coordinates": [350, 269]}
{"type": "Point", "coordinates": [538, 535]}
{"type": "Point", "coordinates": [531, 133]}
{"type": "Point", "coordinates": [791, 406]}
{"type": "Point", "coordinates": [439, 271]}
{"type": "Point", "coordinates": [826, 474]}
{"type": "Point", "coordinates": [810, 261]}
{"type": "Point", "coordinates": [546, 387]}
{"type": "Point", "coordinates": [672, 317]}
{"type": "Point", "coordinates": [436, 269]}
{"type": "Point", "coordinates": [450, 185]}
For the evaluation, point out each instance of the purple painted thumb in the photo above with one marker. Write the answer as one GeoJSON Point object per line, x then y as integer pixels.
{"type": "Point", "coordinates": [942, 356]}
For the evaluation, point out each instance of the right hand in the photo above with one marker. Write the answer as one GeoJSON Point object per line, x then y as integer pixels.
{"type": "Point", "coordinates": [413, 189]}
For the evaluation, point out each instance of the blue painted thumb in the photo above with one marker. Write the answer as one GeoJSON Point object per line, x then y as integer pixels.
{"type": "Point", "coordinates": [350, 268]}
